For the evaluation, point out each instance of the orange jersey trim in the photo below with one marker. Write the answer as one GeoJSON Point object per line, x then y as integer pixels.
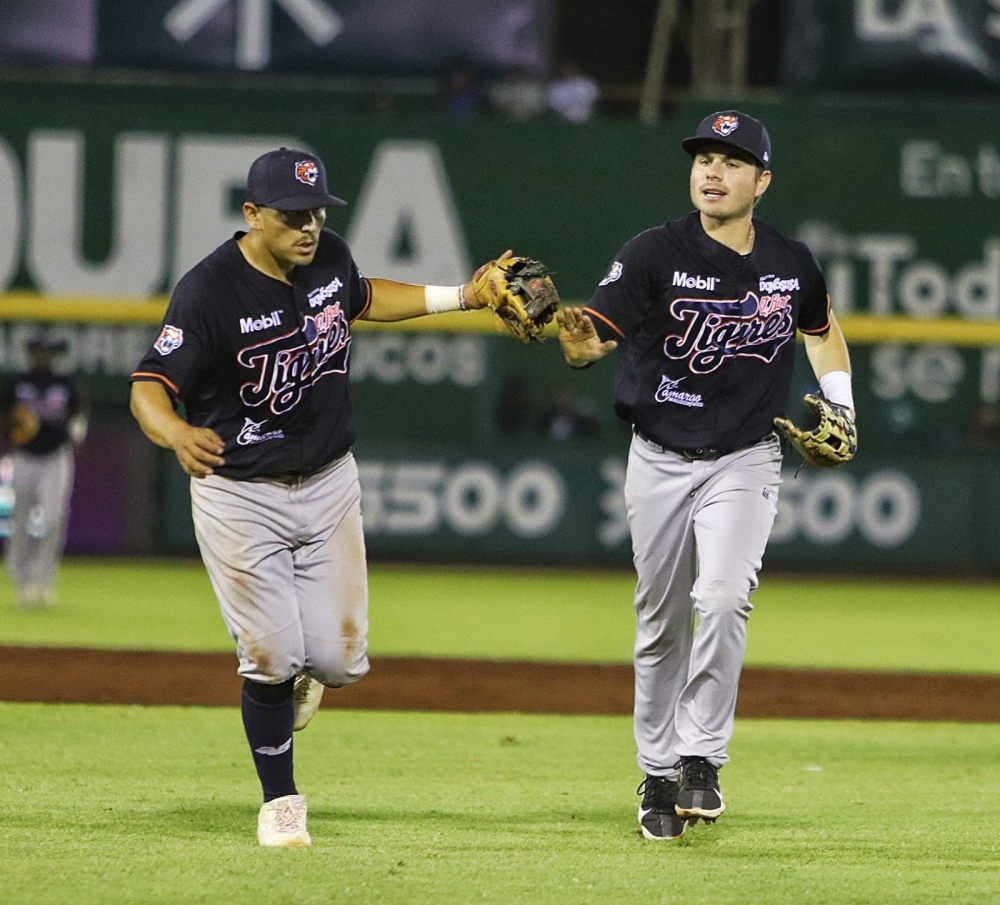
{"type": "Point", "coordinates": [601, 317]}
{"type": "Point", "coordinates": [368, 300]}
{"type": "Point", "coordinates": [152, 375]}
{"type": "Point", "coordinates": [823, 329]}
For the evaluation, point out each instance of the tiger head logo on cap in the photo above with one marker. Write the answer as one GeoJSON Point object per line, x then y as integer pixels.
{"type": "Point", "coordinates": [735, 128]}
{"type": "Point", "coordinates": [289, 179]}
{"type": "Point", "coordinates": [725, 124]}
{"type": "Point", "coordinates": [306, 171]}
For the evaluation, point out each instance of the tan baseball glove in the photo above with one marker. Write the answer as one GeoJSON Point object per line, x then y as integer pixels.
{"type": "Point", "coordinates": [522, 295]}
{"type": "Point", "coordinates": [24, 425]}
{"type": "Point", "coordinates": [832, 442]}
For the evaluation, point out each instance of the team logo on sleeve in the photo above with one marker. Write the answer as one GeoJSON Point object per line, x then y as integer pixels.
{"type": "Point", "coordinates": [725, 125]}
{"type": "Point", "coordinates": [613, 274]}
{"type": "Point", "coordinates": [170, 338]}
{"type": "Point", "coordinates": [306, 171]}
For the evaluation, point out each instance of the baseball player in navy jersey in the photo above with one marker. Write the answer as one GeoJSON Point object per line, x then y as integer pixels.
{"type": "Point", "coordinates": [44, 419]}
{"type": "Point", "coordinates": [703, 312]}
{"type": "Point", "coordinates": [255, 344]}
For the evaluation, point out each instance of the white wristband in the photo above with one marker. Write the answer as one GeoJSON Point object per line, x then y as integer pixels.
{"type": "Point", "coordinates": [836, 387]}
{"type": "Point", "coordinates": [444, 298]}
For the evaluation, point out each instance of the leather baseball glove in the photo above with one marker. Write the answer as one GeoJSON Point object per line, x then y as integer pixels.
{"type": "Point", "coordinates": [24, 425]}
{"type": "Point", "coordinates": [832, 442]}
{"type": "Point", "coordinates": [522, 295]}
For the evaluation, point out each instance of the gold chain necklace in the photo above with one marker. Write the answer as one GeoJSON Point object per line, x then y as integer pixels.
{"type": "Point", "coordinates": [750, 238]}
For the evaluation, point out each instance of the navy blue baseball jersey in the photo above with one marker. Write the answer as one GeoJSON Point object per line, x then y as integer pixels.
{"type": "Point", "coordinates": [263, 363]}
{"type": "Point", "coordinates": [706, 335]}
{"type": "Point", "coordinates": [54, 398]}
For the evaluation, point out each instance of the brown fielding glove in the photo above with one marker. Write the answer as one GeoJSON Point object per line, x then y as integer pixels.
{"type": "Point", "coordinates": [23, 425]}
{"type": "Point", "coordinates": [832, 442]}
{"type": "Point", "coordinates": [522, 295]}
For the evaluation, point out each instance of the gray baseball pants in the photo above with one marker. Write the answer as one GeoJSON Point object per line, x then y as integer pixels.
{"type": "Point", "coordinates": [42, 489]}
{"type": "Point", "coordinates": [699, 529]}
{"type": "Point", "coordinates": [287, 562]}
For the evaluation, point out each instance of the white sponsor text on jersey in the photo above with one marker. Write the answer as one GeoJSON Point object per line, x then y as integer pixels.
{"type": "Point", "coordinates": [320, 295]}
{"type": "Point", "coordinates": [695, 282]}
{"type": "Point", "coordinates": [253, 324]}
{"type": "Point", "coordinates": [771, 283]}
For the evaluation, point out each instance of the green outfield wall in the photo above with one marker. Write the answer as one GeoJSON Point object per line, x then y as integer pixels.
{"type": "Point", "coordinates": [108, 193]}
{"type": "Point", "coordinates": [114, 190]}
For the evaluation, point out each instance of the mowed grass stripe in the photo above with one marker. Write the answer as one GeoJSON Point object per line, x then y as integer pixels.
{"type": "Point", "coordinates": [107, 805]}
{"type": "Point", "coordinates": [556, 615]}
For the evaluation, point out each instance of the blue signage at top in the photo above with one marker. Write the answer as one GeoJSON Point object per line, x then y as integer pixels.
{"type": "Point", "coordinates": [333, 37]}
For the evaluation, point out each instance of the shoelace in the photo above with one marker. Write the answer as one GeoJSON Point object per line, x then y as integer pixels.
{"type": "Point", "coordinates": [700, 774]}
{"type": "Point", "coordinates": [288, 819]}
{"type": "Point", "coordinates": [656, 792]}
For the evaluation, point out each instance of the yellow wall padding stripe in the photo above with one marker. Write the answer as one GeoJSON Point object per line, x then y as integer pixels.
{"type": "Point", "coordinates": [864, 329]}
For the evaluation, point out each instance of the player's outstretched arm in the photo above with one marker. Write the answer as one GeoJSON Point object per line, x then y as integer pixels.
{"type": "Point", "coordinates": [828, 355]}
{"type": "Point", "coordinates": [392, 301]}
{"type": "Point", "coordinates": [578, 337]}
{"type": "Point", "coordinates": [198, 449]}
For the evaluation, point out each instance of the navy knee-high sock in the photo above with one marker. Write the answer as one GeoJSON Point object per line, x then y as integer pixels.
{"type": "Point", "coordinates": [268, 715]}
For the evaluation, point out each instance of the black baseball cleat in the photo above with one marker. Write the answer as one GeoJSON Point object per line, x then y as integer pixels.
{"type": "Point", "coordinates": [699, 796]}
{"type": "Point", "coordinates": [657, 815]}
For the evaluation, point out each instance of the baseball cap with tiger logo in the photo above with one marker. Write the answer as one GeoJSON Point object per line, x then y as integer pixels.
{"type": "Point", "coordinates": [731, 127]}
{"type": "Point", "coordinates": [289, 180]}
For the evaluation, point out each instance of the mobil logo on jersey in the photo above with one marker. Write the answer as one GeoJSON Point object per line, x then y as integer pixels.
{"type": "Point", "coordinates": [283, 368]}
{"type": "Point", "coordinates": [713, 330]}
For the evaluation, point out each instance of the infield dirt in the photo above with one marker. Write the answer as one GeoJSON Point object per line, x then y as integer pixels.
{"type": "Point", "coordinates": [76, 675]}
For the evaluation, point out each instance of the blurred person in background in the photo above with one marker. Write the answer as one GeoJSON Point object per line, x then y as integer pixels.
{"type": "Point", "coordinates": [43, 418]}
{"type": "Point", "coordinates": [572, 93]}
{"type": "Point", "coordinates": [460, 95]}
{"type": "Point", "coordinates": [518, 96]}
{"type": "Point", "coordinates": [983, 431]}
{"type": "Point", "coordinates": [565, 417]}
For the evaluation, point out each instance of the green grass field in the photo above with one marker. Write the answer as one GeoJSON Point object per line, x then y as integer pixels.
{"type": "Point", "coordinates": [106, 805]}
{"type": "Point", "coordinates": [927, 626]}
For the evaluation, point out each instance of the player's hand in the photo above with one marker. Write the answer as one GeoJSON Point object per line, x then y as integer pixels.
{"type": "Point", "coordinates": [468, 290]}
{"type": "Point", "coordinates": [198, 449]}
{"type": "Point", "coordinates": [578, 338]}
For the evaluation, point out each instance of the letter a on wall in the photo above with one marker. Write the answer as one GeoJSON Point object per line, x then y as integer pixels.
{"type": "Point", "coordinates": [405, 225]}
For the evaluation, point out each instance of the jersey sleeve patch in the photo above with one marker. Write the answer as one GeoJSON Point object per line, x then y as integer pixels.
{"type": "Point", "coordinates": [613, 274]}
{"type": "Point", "coordinates": [170, 339]}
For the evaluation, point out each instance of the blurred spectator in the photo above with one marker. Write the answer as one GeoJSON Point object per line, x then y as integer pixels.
{"type": "Point", "coordinates": [43, 418]}
{"type": "Point", "coordinates": [572, 93]}
{"type": "Point", "coordinates": [983, 431]}
{"type": "Point", "coordinates": [460, 95]}
{"type": "Point", "coordinates": [564, 418]}
{"type": "Point", "coordinates": [520, 95]}
{"type": "Point", "coordinates": [514, 405]}
{"type": "Point", "coordinates": [381, 103]}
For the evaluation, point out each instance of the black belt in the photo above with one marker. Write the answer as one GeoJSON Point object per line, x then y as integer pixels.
{"type": "Point", "coordinates": [293, 479]}
{"type": "Point", "coordinates": [702, 452]}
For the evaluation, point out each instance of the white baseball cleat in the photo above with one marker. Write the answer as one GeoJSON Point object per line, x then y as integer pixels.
{"type": "Point", "coordinates": [282, 821]}
{"type": "Point", "coordinates": [307, 694]}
